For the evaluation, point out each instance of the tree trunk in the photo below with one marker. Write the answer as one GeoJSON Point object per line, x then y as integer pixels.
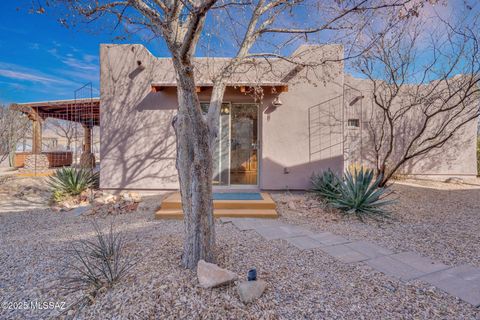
{"type": "Point", "coordinates": [194, 165]}
{"type": "Point", "coordinates": [11, 157]}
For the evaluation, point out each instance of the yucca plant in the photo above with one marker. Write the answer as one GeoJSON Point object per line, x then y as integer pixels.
{"type": "Point", "coordinates": [98, 262]}
{"type": "Point", "coordinates": [326, 184]}
{"type": "Point", "coordinates": [95, 264]}
{"type": "Point", "coordinates": [360, 195]}
{"type": "Point", "coordinates": [69, 181]}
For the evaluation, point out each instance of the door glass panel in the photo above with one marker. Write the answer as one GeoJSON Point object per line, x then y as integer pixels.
{"type": "Point", "coordinates": [244, 142]}
{"type": "Point", "coordinates": [221, 161]}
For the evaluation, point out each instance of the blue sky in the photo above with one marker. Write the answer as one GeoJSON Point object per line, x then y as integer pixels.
{"type": "Point", "coordinates": [42, 60]}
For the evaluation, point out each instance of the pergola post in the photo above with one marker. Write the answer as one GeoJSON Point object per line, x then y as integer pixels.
{"type": "Point", "coordinates": [87, 159]}
{"type": "Point", "coordinates": [36, 134]}
{"type": "Point", "coordinates": [87, 139]}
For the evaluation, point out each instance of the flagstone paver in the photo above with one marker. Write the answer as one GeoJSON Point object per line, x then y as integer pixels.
{"type": "Point", "coordinates": [422, 264]}
{"type": "Point", "coordinates": [304, 242]}
{"type": "Point", "coordinates": [462, 281]}
{"type": "Point", "coordinates": [251, 223]}
{"type": "Point", "coordinates": [369, 249]}
{"type": "Point", "coordinates": [281, 232]}
{"type": "Point", "coordinates": [329, 239]}
{"type": "Point", "coordinates": [392, 267]}
{"type": "Point", "coordinates": [344, 253]}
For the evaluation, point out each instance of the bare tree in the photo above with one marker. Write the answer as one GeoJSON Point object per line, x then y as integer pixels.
{"type": "Point", "coordinates": [425, 87]}
{"type": "Point", "coordinates": [182, 25]}
{"type": "Point", "coordinates": [14, 126]}
{"type": "Point", "coordinates": [64, 129]}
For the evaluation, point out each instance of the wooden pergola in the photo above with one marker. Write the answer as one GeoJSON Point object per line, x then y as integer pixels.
{"type": "Point", "coordinates": [83, 111]}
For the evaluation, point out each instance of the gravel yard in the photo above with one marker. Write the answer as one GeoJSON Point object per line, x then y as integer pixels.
{"type": "Point", "coordinates": [435, 219]}
{"type": "Point", "coordinates": [309, 284]}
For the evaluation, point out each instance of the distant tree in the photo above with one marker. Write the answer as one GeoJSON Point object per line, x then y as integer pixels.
{"type": "Point", "coordinates": [425, 88]}
{"type": "Point", "coordinates": [263, 29]}
{"type": "Point", "coordinates": [64, 129]}
{"type": "Point", "coordinates": [14, 126]}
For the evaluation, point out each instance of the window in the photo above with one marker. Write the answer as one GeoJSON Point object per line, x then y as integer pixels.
{"type": "Point", "coordinates": [353, 123]}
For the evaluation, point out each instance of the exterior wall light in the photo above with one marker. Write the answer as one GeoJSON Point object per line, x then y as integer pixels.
{"type": "Point", "coordinates": [277, 102]}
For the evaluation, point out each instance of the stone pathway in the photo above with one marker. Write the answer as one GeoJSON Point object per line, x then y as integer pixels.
{"type": "Point", "coordinates": [460, 281]}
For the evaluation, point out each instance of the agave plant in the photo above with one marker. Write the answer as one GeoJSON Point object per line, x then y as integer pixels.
{"type": "Point", "coordinates": [360, 195]}
{"type": "Point", "coordinates": [72, 181]}
{"type": "Point", "coordinates": [326, 184]}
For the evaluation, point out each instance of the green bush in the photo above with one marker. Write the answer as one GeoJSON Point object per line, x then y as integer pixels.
{"type": "Point", "coordinates": [69, 181]}
{"type": "Point", "coordinates": [326, 184]}
{"type": "Point", "coordinates": [357, 194]}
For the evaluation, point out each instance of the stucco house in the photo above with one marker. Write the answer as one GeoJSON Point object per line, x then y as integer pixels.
{"type": "Point", "coordinates": [279, 122]}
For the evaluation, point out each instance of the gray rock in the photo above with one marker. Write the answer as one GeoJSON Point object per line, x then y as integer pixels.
{"type": "Point", "coordinates": [251, 290]}
{"type": "Point", "coordinates": [78, 211]}
{"type": "Point", "coordinates": [210, 275]}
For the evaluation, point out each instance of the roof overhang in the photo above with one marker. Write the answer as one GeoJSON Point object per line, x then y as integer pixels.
{"type": "Point", "coordinates": [84, 111]}
{"type": "Point", "coordinates": [275, 87]}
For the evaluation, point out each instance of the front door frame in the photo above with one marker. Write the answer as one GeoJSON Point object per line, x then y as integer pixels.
{"type": "Point", "coordinates": [259, 151]}
{"type": "Point", "coordinates": [256, 185]}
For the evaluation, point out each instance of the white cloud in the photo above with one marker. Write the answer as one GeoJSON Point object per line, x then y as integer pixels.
{"type": "Point", "coordinates": [24, 76]}
{"type": "Point", "coordinates": [79, 64]}
{"type": "Point", "coordinates": [17, 72]}
{"type": "Point", "coordinates": [85, 63]}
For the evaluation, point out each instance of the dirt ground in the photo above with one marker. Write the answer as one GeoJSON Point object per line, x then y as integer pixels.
{"type": "Point", "coordinates": [437, 221]}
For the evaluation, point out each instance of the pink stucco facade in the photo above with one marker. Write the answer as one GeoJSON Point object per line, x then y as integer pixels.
{"type": "Point", "coordinates": [303, 135]}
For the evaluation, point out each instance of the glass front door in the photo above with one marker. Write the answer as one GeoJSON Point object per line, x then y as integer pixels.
{"type": "Point", "coordinates": [244, 143]}
{"type": "Point", "coordinates": [235, 152]}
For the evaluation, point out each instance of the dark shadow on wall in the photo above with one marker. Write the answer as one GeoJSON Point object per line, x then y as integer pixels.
{"type": "Point", "coordinates": [444, 160]}
{"type": "Point", "coordinates": [137, 139]}
{"type": "Point", "coordinates": [276, 176]}
{"type": "Point", "coordinates": [450, 159]}
{"type": "Point", "coordinates": [325, 128]}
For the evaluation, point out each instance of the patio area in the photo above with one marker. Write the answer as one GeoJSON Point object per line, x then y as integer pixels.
{"type": "Point", "coordinates": [41, 158]}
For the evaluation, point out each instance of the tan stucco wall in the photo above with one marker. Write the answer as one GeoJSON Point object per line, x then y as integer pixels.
{"type": "Point", "coordinates": [137, 140]}
{"type": "Point", "coordinates": [288, 152]}
{"type": "Point", "coordinates": [457, 157]}
{"type": "Point", "coordinates": [304, 135]}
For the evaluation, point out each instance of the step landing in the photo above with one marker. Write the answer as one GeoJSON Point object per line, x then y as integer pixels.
{"type": "Point", "coordinates": [171, 208]}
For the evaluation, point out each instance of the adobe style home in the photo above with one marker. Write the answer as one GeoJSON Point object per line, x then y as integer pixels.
{"type": "Point", "coordinates": [279, 122]}
{"type": "Point", "coordinates": [303, 121]}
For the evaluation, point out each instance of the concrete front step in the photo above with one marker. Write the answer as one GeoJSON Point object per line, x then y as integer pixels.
{"type": "Point", "coordinates": [173, 202]}
{"type": "Point", "coordinates": [218, 213]}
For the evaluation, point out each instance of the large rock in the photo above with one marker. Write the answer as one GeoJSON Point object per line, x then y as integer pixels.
{"type": "Point", "coordinates": [104, 198]}
{"type": "Point", "coordinates": [251, 290]}
{"type": "Point", "coordinates": [210, 275]}
{"type": "Point", "coordinates": [131, 197]}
